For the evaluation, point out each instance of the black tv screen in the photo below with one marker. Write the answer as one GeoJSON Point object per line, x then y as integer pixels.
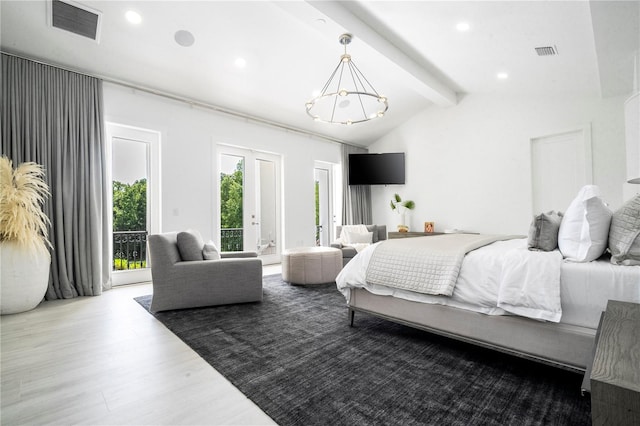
{"type": "Point", "coordinates": [376, 169]}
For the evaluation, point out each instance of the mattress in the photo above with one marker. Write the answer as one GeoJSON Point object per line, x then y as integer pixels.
{"type": "Point", "coordinates": [584, 287]}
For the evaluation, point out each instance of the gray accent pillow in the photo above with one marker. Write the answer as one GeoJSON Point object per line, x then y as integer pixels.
{"type": "Point", "coordinates": [374, 229]}
{"type": "Point", "coordinates": [624, 234]}
{"type": "Point", "coordinates": [543, 232]}
{"type": "Point", "coordinates": [190, 245]}
{"type": "Point", "coordinates": [210, 251]}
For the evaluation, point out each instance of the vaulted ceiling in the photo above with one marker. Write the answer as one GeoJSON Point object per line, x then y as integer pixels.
{"type": "Point", "coordinates": [411, 51]}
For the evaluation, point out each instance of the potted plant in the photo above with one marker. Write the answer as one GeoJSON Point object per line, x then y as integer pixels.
{"type": "Point", "coordinates": [24, 254]}
{"type": "Point", "coordinates": [402, 207]}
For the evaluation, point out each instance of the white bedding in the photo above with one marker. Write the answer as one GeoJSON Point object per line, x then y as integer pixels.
{"type": "Point", "coordinates": [428, 265]}
{"type": "Point", "coordinates": [530, 284]}
{"type": "Point", "coordinates": [584, 287]}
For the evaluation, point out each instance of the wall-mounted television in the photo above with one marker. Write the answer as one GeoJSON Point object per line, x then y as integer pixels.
{"type": "Point", "coordinates": [376, 169]}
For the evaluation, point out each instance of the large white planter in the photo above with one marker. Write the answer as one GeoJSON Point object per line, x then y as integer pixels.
{"type": "Point", "coordinates": [24, 276]}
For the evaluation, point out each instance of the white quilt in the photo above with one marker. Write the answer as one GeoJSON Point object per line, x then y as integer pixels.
{"type": "Point", "coordinates": [480, 281]}
{"type": "Point", "coordinates": [428, 265]}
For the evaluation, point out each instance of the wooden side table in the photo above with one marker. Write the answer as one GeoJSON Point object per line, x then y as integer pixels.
{"type": "Point", "coordinates": [391, 235]}
{"type": "Point", "coordinates": [615, 376]}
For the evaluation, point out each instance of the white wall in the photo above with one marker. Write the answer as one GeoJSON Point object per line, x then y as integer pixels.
{"type": "Point", "coordinates": [468, 166]}
{"type": "Point", "coordinates": [188, 156]}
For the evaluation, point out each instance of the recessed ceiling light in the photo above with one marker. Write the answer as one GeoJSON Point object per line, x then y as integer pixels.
{"type": "Point", "coordinates": [133, 17]}
{"type": "Point", "coordinates": [240, 62]}
{"type": "Point", "coordinates": [502, 75]}
{"type": "Point", "coordinates": [463, 26]}
{"type": "Point", "coordinates": [184, 38]}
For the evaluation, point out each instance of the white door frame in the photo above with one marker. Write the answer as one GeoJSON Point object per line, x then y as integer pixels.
{"type": "Point", "coordinates": [329, 227]}
{"type": "Point", "coordinates": [152, 138]}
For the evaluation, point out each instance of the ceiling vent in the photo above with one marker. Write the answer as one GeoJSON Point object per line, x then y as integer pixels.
{"type": "Point", "coordinates": [76, 18]}
{"type": "Point", "coordinates": [546, 51]}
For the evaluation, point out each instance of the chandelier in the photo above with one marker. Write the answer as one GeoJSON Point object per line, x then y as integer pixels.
{"type": "Point", "coordinates": [347, 97]}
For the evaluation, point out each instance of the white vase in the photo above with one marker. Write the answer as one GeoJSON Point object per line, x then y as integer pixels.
{"type": "Point", "coordinates": [24, 277]}
{"type": "Point", "coordinates": [402, 212]}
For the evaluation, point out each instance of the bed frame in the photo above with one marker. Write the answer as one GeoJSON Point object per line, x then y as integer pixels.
{"type": "Point", "coordinates": [561, 345]}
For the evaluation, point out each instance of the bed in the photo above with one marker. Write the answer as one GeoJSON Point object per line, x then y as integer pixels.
{"type": "Point", "coordinates": [531, 304]}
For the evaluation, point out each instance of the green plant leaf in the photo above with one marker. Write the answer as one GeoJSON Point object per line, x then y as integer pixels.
{"type": "Point", "coordinates": [397, 197]}
{"type": "Point", "coordinates": [393, 206]}
{"type": "Point", "coordinates": [409, 204]}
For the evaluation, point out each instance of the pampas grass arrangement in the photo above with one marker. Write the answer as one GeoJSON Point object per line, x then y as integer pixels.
{"type": "Point", "coordinates": [23, 191]}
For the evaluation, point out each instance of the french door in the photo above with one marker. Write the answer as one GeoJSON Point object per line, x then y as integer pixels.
{"type": "Point", "coordinates": [134, 157]}
{"type": "Point", "coordinates": [249, 202]}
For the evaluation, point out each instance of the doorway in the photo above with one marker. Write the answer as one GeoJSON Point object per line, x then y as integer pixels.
{"type": "Point", "coordinates": [134, 160]}
{"type": "Point", "coordinates": [561, 164]}
{"type": "Point", "coordinates": [249, 202]}
{"type": "Point", "coordinates": [325, 220]}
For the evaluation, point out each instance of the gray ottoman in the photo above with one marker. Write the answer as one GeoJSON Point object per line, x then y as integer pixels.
{"type": "Point", "coordinates": [311, 265]}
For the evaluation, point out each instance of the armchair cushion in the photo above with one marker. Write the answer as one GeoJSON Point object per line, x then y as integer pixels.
{"type": "Point", "coordinates": [210, 251]}
{"type": "Point", "coordinates": [190, 245]}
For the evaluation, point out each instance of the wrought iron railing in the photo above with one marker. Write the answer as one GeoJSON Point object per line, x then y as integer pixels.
{"type": "Point", "coordinates": [129, 250]}
{"type": "Point", "coordinates": [231, 239]}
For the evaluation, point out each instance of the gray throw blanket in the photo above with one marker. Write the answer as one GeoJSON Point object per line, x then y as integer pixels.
{"type": "Point", "coordinates": [428, 265]}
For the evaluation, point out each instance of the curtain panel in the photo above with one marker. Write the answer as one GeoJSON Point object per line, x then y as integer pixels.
{"type": "Point", "coordinates": [55, 118]}
{"type": "Point", "coordinates": [356, 199]}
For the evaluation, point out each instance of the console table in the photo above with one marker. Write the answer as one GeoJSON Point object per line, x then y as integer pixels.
{"type": "Point", "coordinates": [615, 375]}
{"type": "Point", "coordinates": [391, 235]}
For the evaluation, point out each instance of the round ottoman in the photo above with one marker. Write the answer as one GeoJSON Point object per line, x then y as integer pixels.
{"type": "Point", "coordinates": [311, 265]}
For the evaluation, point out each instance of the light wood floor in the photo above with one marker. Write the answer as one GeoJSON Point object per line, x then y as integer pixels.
{"type": "Point", "coordinates": [104, 360]}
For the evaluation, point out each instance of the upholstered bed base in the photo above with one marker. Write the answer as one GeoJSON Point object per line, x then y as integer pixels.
{"type": "Point", "coordinates": [562, 345]}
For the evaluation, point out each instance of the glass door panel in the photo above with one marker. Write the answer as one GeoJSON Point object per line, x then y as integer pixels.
{"type": "Point", "coordinates": [266, 213]}
{"type": "Point", "coordinates": [324, 220]}
{"type": "Point", "coordinates": [232, 202]}
{"type": "Point", "coordinates": [134, 158]}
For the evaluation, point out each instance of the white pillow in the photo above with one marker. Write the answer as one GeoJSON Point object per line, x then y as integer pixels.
{"type": "Point", "coordinates": [584, 230]}
{"type": "Point", "coordinates": [210, 251]}
{"type": "Point", "coordinates": [349, 237]}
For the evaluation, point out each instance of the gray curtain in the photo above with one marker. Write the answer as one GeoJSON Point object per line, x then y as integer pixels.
{"type": "Point", "coordinates": [55, 118]}
{"type": "Point", "coordinates": [356, 199]}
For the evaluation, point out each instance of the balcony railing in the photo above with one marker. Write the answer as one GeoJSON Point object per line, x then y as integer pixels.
{"type": "Point", "coordinates": [129, 250]}
{"type": "Point", "coordinates": [231, 239]}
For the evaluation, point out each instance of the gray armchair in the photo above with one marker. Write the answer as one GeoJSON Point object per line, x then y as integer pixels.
{"type": "Point", "coordinates": [178, 284]}
{"type": "Point", "coordinates": [379, 233]}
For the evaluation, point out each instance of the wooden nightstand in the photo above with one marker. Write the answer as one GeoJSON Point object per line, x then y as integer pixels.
{"type": "Point", "coordinates": [391, 235]}
{"type": "Point", "coordinates": [615, 376]}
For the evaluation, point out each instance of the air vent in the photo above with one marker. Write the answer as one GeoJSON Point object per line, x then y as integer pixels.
{"type": "Point", "coordinates": [75, 18]}
{"type": "Point", "coordinates": [546, 51]}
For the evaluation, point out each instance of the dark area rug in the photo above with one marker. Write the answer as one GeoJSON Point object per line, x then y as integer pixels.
{"type": "Point", "coordinates": [296, 357]}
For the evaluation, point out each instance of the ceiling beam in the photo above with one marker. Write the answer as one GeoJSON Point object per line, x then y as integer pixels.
{"type": "Point", "coordinates": [367, 28]}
